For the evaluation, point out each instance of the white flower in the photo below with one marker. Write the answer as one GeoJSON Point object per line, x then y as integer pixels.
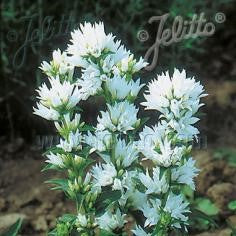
{"type": "Point", "coordinates": [184, 174]}
{"type": "Point", "coordinates": [81, 220]}
{"type": "Point", "coordinates": [138, 231]}
{"type": "Point", "coordinates": [155, 184]}
{"type": "Point", "coordinates": [185, 93]}
{"type": "Point", "coordinates": [129, 64]}
{"type": "Point", "coordinates": [155, 146]}
{"type": "Point", "coordinates": [59, 65]}
{"type": "Point", "coordinates": [151, 210]}
{"type": "Point", "coordinates": [100, 141]}
{"type": "Point", "coordinates": [176, 206]}
{"type": "Point", "coordinates": [109, 221]}
{"type": "Point", "coordinates": [68, 124]}
{"type": "Point", "coordinates": [90, 82]}
{"type": "Point", "coordinates": [119, 117]}
{"type": "Point", "coordinates": [126, 154]}
{"type": "Point", "coordinates": [55, 159]}
{"type": "Point", "coordinates": [117, 185]}
{"type": "Point", "coordinates": [103, 174]}
{"type": "Point", "coordinates": [59, 94]}
{"type": "Point", "coordinates": [129, 192]}
{"type": "Point", "coordinates": [73, 142]}
{"type": "Point", "coordinates": [168, 155]}
{"type": "Point", "coordinates": [120, 88]}
{"type": "Point", "coordinates": [47, 113]}
{"type": "Point", "coordinates": [184, 127]}
{"type": "Point", "coordinates": [91, 40]}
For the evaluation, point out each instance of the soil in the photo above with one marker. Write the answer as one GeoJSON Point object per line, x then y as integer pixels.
{"type": "Point", "coordinates": [24, 194]}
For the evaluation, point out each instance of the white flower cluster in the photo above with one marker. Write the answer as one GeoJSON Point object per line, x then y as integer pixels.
{"type": "Point", "coordinates": [167, 145]}
{"type": "Point", "coordinates": [118, 178]}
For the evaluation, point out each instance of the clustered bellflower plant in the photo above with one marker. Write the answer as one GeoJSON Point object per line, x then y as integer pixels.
{"type": "Point", "coordinates": [114, 171]}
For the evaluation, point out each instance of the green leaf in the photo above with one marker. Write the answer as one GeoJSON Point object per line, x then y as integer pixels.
{"type": "Point", "coordinates": [188, 192]}
{"type": "Point", "coordinates": [105, 233]}
{"type": "Point", "coordinates": [51, 167]}
{"type": "Point", "coordinates": [200, 217]}
{"type": "Point", "coordinates": [106, 198]}
{"type": "Point", "coordinates": [205, 205]}
{"type": "Point", "coordinates": [62, 184]}
{"type": "Point", "coordinates": [87, 128]}
{"type": "Point", "coordinates": [14, 229]}
{"type": "Point", "coordinates": [67, 218]}
{"type": "Point", "coordinates": [53, 233]}
{"type": "Point", "coordinates": [232, 205]}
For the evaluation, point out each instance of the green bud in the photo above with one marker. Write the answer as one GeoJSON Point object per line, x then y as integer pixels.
{"type": "Point", "coordinates": [94, 197]}
{"type": "Point", "coordinates": [79, 180]}
{"type": "Point", "coordinates": [78, 160]}
{"type": "Point", "coordinates": [88, 197]}
{"type": "Point", "coordinates": [87, 188]}
{"type": "Point", "coordinates": [118, 163]}
{"type": "Point", "coordinates": [120, 173]}
{"type": "Point", "coordinates": [90, 205]}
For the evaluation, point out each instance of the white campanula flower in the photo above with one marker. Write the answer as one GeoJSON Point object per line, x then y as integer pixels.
{"type": "Point", "coordinates": [69, 124]}
{"type": "Point", "coordinates": [177, 207]}
{"type": "Point", "coordinates": [120, 88]}
{"type": "Point", "coordinates": [151, 211]}
{"type": "Point", "coordinates": [110, 221]}
{"type": "Point", "coordinates": [59, 65]}
{"type": "Point", "coordinates": [59, 94]}
{"type": "Point", "coordinates": [46, 113]}
{"type": "Point", "coordinates": [185, 174]}
{"type": "Point", "coordinates": [139, 231]}
{"type": "Point", "coordinates": [72, 142]}
{"type": "Point", "coordinates": [184, 127]}
{"type": "Point", "coordinates": [90, 82]}
{"type": "Point", "coordinates": [55, 159]}
{"type": "Point", "coordinates": [91, 39]}
{"type": "Point", "coordinates": [129, 192]}
{"type": "Point", "coordinates": [168, 155]}
{"type": "Point", "coordinates": [155, 145]}
{"type": "Point", "coordinates": [174, 94]}
{"type": "Point", "coordinates": [89, 87]}
{"type": "Point", "coordinates": [125, 154]}
{"type": "Point", "coordinates": [156, 184]}
{"type": "Point", "coordinates": [120, 117]}
{"type": "Point", "coordinates": [100, 140]}
{"type": "Point", "coordinates": [131, 65]}
{"type": "Point", "coordinates": [81, 221]}
{"type": "Point", "coordinates": [151, 137]}
{"type": "Point", "coordinates": [104, 175]}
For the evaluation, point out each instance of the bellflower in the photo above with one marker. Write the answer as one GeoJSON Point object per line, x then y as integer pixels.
{"type": "Point", "coordinates": [119, 165]}
{"type": "Point", "coordinates": [121, 117]}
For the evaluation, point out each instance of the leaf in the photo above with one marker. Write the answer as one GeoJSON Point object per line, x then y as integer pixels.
{"type": "Point", "coordinates": [106, 198]}
{"type": "Point", "coordinates": [199, 215]}
{"type": "Point", "coordinates": [67, 218]}
{"type": "Point", "coordinates": [62, 184]}
{"type": "Point", "coordinates": [105, 233]}
{"type": "Point", "coordinates": [51, 167]}
{"type": "Point", "coordinates": [205, 205]}
{"type": "Point", "coordinates": [87, 128]}
{"type": "Point", "coordinates": [14, 229]}
{"type": "Point", "coordinates": [53, 232]}
{"type": "Point", "coordinates": [232, 205]}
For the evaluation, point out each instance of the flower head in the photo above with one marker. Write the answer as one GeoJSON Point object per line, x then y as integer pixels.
{"type": "Point", "coordinates": [109, 221]}
{"type": "Point", "coordinates": [120, 117]}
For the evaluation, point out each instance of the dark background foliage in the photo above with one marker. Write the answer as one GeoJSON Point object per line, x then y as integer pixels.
{"type": "Point", "coordinates": [31, 30]}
